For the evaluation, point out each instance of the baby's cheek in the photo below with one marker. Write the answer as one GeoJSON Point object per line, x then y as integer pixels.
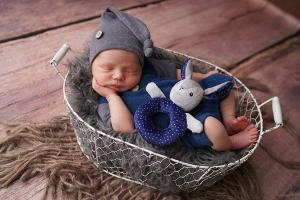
{"type": "Point", "coordinates": [135, 80]}
{"type": "Point", "coordinates": [100, 75]}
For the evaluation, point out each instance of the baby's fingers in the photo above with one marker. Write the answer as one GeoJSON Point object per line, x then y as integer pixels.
{"type": "Point", "coordinates": [212, 72]}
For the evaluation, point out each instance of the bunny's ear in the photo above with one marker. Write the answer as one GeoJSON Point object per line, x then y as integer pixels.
{"type": "Point", "coordinates": [216, 88]}
{"type": "Point", "coordinates": [187, 69]}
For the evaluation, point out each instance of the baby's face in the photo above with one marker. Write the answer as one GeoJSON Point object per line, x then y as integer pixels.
{"type": "Point", "coordinates": [117, 69]}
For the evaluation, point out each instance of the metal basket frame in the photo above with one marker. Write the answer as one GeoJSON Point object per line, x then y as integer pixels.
{"type": "Point", "coordinates": [209, 174]}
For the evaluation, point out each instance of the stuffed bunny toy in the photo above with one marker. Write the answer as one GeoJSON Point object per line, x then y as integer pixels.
{"type": "Point", "coordinates": [185, 95]}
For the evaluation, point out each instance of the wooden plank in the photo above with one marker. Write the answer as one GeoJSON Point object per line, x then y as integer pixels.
{"type": "Point", "coordinates": [279, 69]}
{"type": "Point", "coordinates": [31, 89]}
{"type": "Point", "coordinates": [23, 18]}
{"type": "Point", "coordinates": [224, 38]}
{"type": "Point", "coordinates": [262, 59]}
{"type": "Point", "coordinates": [222, 32]}
{"type": "Point", "coordinates": [290, 6]}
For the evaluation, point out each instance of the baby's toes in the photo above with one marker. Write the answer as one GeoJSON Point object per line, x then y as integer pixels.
{"type": "Point", "coordinates": [253, 133]}
{"type": "Point", "coordinates": [253, 136]}
{"type": "Point", "coordinates": [250, 126]}
{"type": "Point", "coordinates": [246, 120]}
{"type": "Point", "coordinates": [242, 118]}
{"type": "Point", "coordinates": [253, 139]}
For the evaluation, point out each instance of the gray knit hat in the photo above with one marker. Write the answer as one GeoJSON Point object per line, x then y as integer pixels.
{"type": "Point", "coordinates": [118, 30]}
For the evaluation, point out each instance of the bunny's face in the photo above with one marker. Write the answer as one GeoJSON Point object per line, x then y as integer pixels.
{"type": "Point", "coordinates": [186, 94]}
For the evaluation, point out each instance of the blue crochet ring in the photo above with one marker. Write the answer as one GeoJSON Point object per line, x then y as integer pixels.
{"type": "Point", "coordinates": [151, 132]}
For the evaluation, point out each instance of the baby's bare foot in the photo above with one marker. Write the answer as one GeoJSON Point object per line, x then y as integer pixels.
{"type": "Point", "coordinates": [244, 138]}
{"type": "Point", "coordinates": [236, 125]}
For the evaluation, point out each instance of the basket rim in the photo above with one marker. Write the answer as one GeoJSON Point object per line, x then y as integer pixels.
{"type": "Point", "coordinates": [228, 165]}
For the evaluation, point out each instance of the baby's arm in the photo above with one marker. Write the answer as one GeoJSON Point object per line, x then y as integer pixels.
{"type": "Point", "coordinates": [197, 76]}
{"type": "Point", "coordinates": [121, 118]}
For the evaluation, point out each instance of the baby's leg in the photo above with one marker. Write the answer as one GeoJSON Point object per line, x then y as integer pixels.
{"type": "Point", "coordinates": [233, 125]}
{"type": "Point", "coordinates": [218, 135]}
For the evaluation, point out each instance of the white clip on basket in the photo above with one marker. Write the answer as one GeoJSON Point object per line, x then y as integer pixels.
{"type": "Point", "coordinates": [109, 153]}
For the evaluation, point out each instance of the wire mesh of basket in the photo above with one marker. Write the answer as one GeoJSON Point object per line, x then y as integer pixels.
{"type": "Point", "coordinates": [114, 156]}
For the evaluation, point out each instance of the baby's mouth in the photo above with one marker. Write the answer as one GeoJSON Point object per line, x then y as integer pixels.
{"type": "Point", "coordinates": [115, 87]}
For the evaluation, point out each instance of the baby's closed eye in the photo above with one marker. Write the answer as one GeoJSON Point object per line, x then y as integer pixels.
{"type": "Point", "coordinates": [131, 70]}
{"type": "Point", "coordinates": [106, 67]}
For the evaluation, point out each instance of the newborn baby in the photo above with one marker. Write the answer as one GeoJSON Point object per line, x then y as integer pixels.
{"type": "Point", "coordinates": [120, 52]}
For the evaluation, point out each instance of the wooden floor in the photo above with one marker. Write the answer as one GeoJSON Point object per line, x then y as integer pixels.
{"type": "Point", "coordinates": [251, 38]}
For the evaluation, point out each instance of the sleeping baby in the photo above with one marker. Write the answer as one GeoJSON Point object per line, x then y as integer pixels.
{"type": "Point", "coordinates": [120, 56]}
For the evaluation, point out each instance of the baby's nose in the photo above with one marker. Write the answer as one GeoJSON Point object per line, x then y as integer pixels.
{"type": "Point", "coordinates": [118, 75]}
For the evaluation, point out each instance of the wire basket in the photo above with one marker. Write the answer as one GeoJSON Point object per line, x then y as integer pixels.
{"type": "Point", "coordinates": [112, 155]}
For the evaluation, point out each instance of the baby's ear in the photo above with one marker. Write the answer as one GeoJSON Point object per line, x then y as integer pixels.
{"type": "Point", "coordinates": [187, 69]}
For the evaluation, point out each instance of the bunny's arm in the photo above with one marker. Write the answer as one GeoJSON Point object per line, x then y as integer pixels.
{"type": "Point", "coordinates": [153, 90]}
{"type": "Point", "coordinates": [193, 124]}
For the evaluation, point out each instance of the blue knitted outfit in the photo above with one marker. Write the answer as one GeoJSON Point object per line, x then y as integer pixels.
{"type": "Point", "coordinates": [209, 105]}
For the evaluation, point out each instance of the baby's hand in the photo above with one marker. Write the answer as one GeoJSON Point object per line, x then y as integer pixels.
{"type": "Point", "coordinates": [196, 75]}
{"type": "Point", "coordinates": [210, 73]}
{"type": "Point", "coordinates": [101, 90]}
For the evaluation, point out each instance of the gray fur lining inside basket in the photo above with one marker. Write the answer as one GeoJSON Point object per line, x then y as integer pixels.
{"type": "Point", "coordinates": [84, 102]}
